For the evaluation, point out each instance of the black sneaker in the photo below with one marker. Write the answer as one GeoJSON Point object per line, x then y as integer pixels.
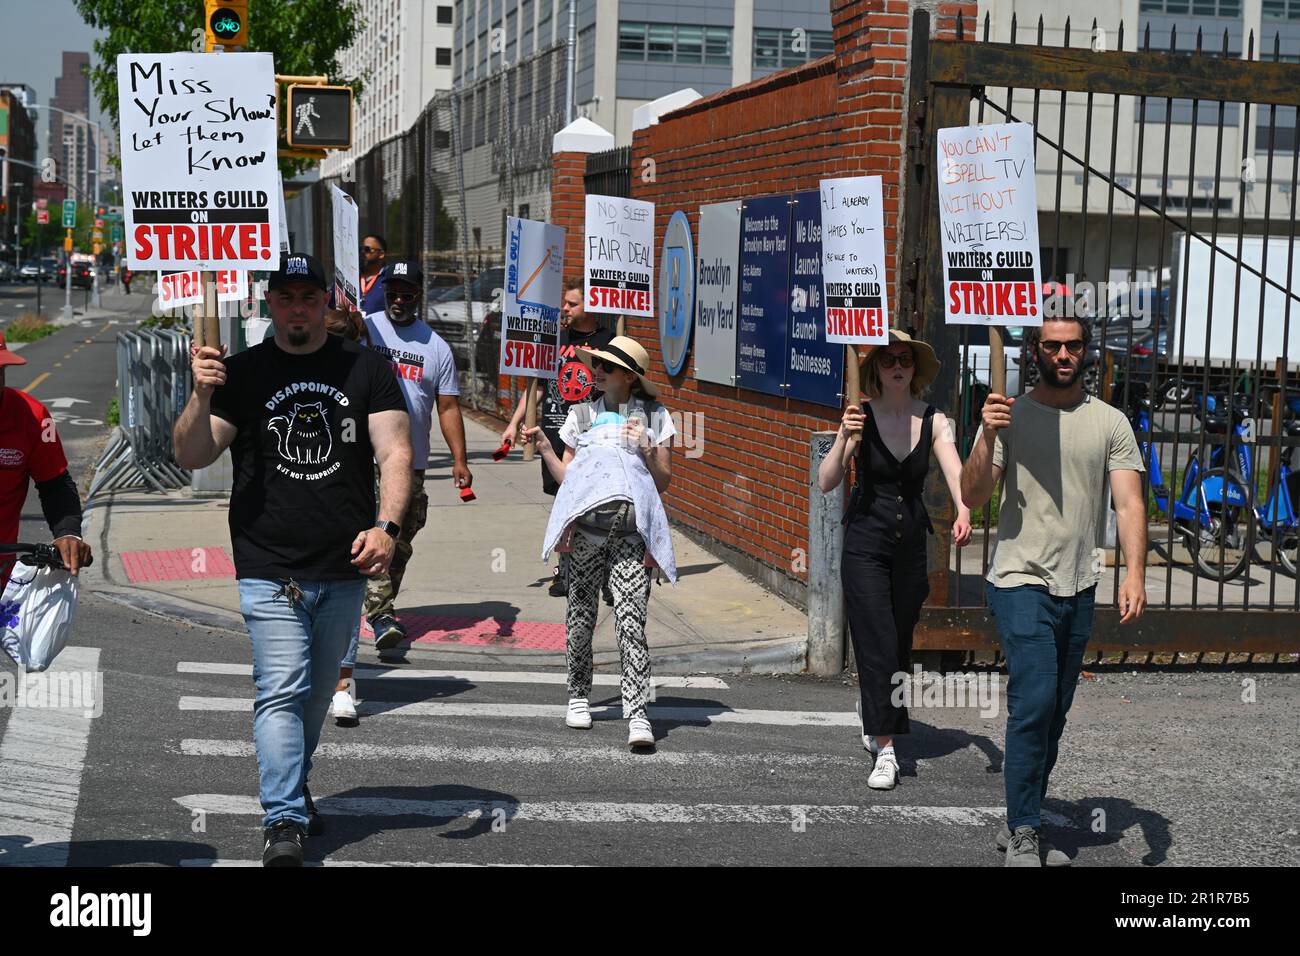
{"type": "Point", "coordinates": [388, 632]}
{"type": "Point", "coordinates": [315, 822]}
{"type": "Point", "coordinates": [283, 844]}
{"type": "Point", "coordinates": [559, 586]}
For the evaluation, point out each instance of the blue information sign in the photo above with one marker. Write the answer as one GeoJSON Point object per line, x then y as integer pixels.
{"type": "Point", "coordinates": [764, 286]}
{"type": "Point", "coordinates": [814, 367]}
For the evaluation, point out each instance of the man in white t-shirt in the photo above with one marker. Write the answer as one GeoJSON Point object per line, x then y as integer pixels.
{"type": "Point", "coordinates": [426, 373]}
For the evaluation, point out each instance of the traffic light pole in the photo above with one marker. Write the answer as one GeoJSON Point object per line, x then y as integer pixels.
{"type": "Point", "coordinates": [67, 269]}
{"type": "Point", "coordinates": [96, 246]}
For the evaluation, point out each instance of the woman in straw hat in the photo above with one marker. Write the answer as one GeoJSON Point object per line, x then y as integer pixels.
{"type": "Point", "coordinates": [609, 515]}
{"type": "Point", "coordinates": [883, 571]}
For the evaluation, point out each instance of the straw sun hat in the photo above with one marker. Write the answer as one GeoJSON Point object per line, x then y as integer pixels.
{"type": "Point", "coordinates": [927, 363]}
{"type": "Point", "coordinates": [625, 353]}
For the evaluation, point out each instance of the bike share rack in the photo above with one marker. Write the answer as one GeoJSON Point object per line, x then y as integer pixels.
{"type": "Point", "coordinates": [153, 381]}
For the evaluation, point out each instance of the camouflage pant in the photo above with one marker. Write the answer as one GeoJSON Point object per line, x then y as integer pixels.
{"type": "Point", "coordinates": [381, 592]}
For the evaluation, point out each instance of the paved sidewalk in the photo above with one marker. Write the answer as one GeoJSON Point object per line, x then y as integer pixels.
{"type": "Point", "coordinates": [476, 589]}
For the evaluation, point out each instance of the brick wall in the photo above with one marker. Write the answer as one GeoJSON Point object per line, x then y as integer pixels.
{"type": "Point", "coordinates": [842, 115]}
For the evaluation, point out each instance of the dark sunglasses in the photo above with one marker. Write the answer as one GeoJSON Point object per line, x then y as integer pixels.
{"type": "Point", "coordinates": [1051, 346]}
{"type": "Point", "coordinates": [605, 365]}
{"type": "Point", "coordinates": [890, 359]}
{"type": "Point", "coordinates": [368, 250]}
{"type": "Point", "coordinates": [392, 295]}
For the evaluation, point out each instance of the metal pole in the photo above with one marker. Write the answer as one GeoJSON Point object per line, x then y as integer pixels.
{"type": "Point", "coordinates": [571, 62]}
{"type": "Point", "coordinates": [67, 291]}
{"type": "Point", "coordinates": [94, 271]}
{"type": "Point", "coordinates": [471, 336]}
{"type": "Point", "coordinates": [825, 547]}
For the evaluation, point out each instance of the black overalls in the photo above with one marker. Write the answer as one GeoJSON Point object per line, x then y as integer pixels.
{"type": "Point", "coordinates": [883, 570]}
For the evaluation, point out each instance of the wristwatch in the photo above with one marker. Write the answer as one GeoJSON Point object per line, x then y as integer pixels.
{"type": "Point", "coordinates": [390, 528]}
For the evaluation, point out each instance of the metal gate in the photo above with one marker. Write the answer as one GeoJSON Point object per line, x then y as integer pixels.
{"type": "Point", "coordinates": [609, 173]}
{"type": "Point", "coordinates": [1167, 170]}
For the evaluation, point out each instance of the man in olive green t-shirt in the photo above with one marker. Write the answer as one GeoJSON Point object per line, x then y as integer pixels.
{"type": "Point", "coordinates": [1057, 449]}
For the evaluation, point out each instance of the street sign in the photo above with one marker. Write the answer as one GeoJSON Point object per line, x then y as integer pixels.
{"type": "Point", "coordinates": [42, 217]}
{"type": "Point", "coordinates": [117, 232]}
{"type": "Point", "coordinates": [69, 213]}
{"type": "Point", "coordinates": [319, 117]}
{"type": "Point", "coordinates": [42, 203]}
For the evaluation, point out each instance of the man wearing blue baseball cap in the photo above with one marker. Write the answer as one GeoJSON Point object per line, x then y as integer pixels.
{"type": "Point", "coordinates": [304, 414]}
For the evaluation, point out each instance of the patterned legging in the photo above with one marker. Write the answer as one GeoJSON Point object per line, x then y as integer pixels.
{"type": "Point", "coordinates": [629, 582]}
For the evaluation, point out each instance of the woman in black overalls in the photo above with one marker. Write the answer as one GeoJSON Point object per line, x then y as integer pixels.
{"type": "Point", "coordinates": [883, 570]}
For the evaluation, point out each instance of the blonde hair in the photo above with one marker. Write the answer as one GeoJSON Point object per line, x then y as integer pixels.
{"type": "Point", "coordinates": [871, 387]}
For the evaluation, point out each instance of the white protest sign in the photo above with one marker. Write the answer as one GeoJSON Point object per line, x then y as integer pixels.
{"type": "Point", "coordinates": [988, 211]}
{"type": "Point", "coordinates": [530, 308]}
{"type": "Point", "coordinates": [347, 257]}
{"type": "Point", "coordinates": [619, 243]}
{"type": "Point", "coordinates": [284, 219]}
{"type": "Point", "coordinates": [199, 169]}
{"type": "Point", "coordinates": [853, 261]}
{"type": "Point", "coordinates": [186, 288]}
{"type": "Point", "coordinates": [178, 288]}
{"type": "Point", "coordinates": [232, 285]}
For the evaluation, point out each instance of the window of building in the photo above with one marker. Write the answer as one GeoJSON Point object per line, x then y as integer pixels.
{"type": "Point", "coordinates": [444, 14]}
{"type": "Point", "coordinates": [442, 56]}
{"type": "Point", "coordinates": [442, 139]}
{"type": "Point", "coordinates": [1200, 8]}
{"type": "Point", "coordinates": [777, 49]}
{"type": "Point", "coordinates": [545, 25]}
{"type": "Point", "coordinates": [587, 48]}
{"type": "Point", "coordinates": [673, 43]}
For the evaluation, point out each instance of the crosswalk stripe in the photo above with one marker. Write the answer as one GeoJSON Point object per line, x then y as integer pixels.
{"type": "Point", "coordinates": [609, 813]}
{"type": "Point", "coordinates": [309, 863]}
{"type": "Point", "coordinates": [476, 677]}
{"type": "Point", "coordinates": [584, 755]}
{"type": "Point", "coordinates": [703, 714]}
{"type": "Point", "coordinates": [41, 763]}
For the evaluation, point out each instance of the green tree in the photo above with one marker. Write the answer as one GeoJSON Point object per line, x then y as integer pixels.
{"type": "Point", "coordinates": [304, 35]}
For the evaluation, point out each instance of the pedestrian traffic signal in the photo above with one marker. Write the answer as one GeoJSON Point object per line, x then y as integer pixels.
{"type": "Point", "coordinates": [226, 23]}
{"type": "Point", "coordinates": [319, 117]}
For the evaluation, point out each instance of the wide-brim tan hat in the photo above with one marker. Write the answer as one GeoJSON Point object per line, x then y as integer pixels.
{"type": "Point", "coordinates": [626, 353]}
{"type": "Point", "coordinates": [927, 363]}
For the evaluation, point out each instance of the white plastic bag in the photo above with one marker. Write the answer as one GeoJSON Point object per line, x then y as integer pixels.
{"type": "Point", "coordinates": [36, 615]}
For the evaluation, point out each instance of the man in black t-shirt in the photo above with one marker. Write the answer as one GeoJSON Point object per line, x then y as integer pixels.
{"type": "Point", "coordinates": [305, 414]}
{"type": "Point", "coordinates": [555, 396]}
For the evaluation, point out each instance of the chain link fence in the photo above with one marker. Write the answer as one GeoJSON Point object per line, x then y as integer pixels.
{"type": "Point", "coordinates": [440, 193]}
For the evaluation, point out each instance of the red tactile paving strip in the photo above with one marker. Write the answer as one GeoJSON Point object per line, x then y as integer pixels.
{"type": "Point", "coordinates": [435, 629]}
{"type": "Point", "coordinates": [180, 564]}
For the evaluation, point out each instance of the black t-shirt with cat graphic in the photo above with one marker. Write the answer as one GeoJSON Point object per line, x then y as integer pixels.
{"type": "Point", "coordinates": [304, 474]}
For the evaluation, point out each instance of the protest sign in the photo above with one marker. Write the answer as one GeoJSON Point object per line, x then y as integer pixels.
{"type": "Point", "coordinates": [232, 285]}
{"type": "Point", "coordinates": [198, 150]}
{"type": "Point", "coordinates": [530, 307]}
{"type": "Point", "coordinates": [620, 235]}
{"type": "Point", "coordinates": [347, 257]}
{"type": "Point", "coordinates": [853, 261]}
{"type": "Point", "coordinates": [186, 288]}
{"type": "Point", "coordinates": [988, 213]}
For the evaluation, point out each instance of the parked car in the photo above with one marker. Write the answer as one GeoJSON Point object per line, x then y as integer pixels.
{"type": "Point", "coordinates": [31, 271]}
{"type": "Point", "coordinates": [446, 313]}
{"type": "Point", "coordinates": [6, 272]}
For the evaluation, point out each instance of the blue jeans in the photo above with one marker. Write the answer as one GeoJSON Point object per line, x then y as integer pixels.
{"type": "Point", "coordinates": [1043, 640]}
{"type": "Point", "coordinates": [354, 642]}
{"type": "Point", "coordinates": [296, 651]}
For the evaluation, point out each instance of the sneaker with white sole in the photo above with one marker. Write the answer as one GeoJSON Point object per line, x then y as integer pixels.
{"type": "Point", "coordinates": [885, 774]}
{"type": "Point", "coordinates": [1051, 855]}
{"type": "Point", "coordinates": [1022, 848]}
{"type": "Point", "coordinates": [344, 709]}
{"type": "Point", "coordinates": [639, 733]}
{"type": "Point", "coordinates": [579, 714]}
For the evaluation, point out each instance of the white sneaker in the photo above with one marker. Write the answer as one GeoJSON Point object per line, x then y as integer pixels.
{"type": "Point", "coordinates": [579, 715]}
{"type": "Point", "coordinates": [639, 733]}
{"type": "Point", "coordinates": [343, 707]}
{"type": "Point", "coordinates": [885, 776]}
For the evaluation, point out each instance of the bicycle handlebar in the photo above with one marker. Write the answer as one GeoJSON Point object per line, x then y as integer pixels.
{"type": "Point", "coordinates": [42, 555]}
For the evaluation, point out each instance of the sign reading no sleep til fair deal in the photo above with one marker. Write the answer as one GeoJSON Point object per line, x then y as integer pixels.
{"type": "Point", "coordinates": [853, 261]}
{"type": "Point", "coordinates": [530, 308]}
{"type": "Point", "coordinates": [617, 254]}
{"type": "Point", "coordinates": [199, 170]}
{"type": "Point", "coordinates": [988, 211]}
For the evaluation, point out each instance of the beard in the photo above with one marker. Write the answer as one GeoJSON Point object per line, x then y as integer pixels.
{"type": "Point", "coordinates": [402, 314]}
{"type": "Point", "coordinates": [1047, 373]}
{"type": "Point", "coordinates": [297, 338]}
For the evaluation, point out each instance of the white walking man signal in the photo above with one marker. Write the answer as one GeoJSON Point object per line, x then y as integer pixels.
{"type": "Point", "coordinates": [305, 113]}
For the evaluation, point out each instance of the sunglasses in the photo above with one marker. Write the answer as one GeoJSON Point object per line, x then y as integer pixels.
{"type": "Point", "coordinates": [369, 250]}
{"type": "Point", "coordinates": [392, 295]}
{"type": "Point", "coordinates": [1051, 346]}
{"type": "Point", "coordinates": [605, 365]}
{"type": "Point", "coordinates": [901, 359]}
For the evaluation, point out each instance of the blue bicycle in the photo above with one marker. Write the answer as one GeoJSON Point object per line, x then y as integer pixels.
{"type": "Point", "coordinates": [1213, 514]}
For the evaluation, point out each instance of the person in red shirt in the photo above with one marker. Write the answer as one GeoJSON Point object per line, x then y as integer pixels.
{"type": "Point", "coordinates": [30, 448]}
